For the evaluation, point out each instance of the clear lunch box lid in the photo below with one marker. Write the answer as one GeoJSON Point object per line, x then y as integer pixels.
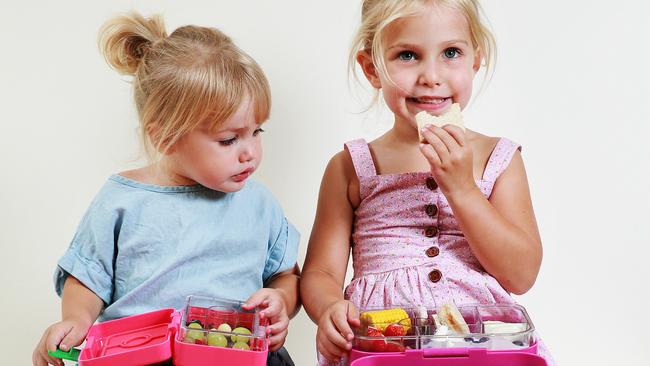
{"type": "Point", "coordinates": [222, 323]}
{"type": "Point", "coordinates": [487, 326]}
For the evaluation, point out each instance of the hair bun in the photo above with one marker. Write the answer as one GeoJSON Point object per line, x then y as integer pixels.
{"type": "Point", "coordinates": [125, 40]}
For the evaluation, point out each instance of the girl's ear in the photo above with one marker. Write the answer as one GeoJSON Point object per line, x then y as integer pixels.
{"type": "Point", "coordinates": [153, 131]}
{"type": "Point", "coordinates": [170, 150]}
{"type": "Point", "coordinates": [365, 61]}
{"type": "Point", "coordinates": [478, 57]}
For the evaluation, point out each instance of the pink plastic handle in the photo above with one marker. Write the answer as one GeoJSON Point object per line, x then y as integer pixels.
{"type": "Point", "coordinates": [136, 341]}
{"type": "Point", "coordinates": [445, 352]}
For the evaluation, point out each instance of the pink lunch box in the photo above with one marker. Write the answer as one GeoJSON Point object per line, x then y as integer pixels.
{"type": "Point", "coordinates": [499, 334]}
{"type": "Point", "coordinates": [189, 337]}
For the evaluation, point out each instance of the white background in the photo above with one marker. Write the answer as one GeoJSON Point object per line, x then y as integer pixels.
{"type": "Point", "coordinates": [572, 86]}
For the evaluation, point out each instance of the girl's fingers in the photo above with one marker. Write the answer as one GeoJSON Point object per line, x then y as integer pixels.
{"type": "Point", "coordinates": [54, 337]}
{"type": "Point", "coordinates": [256, 299]}
{"type": "Point", "coordinates": [342, 329]}
{"type": "Point", "coordinates": [277, 340]}
{"type": "Point", "coordinates": [331, 351]}
{"type": "Point", "coordinates": [38, 359]}
{"type": "Point", "coordinates": [431, 155]}
{"type": "Point", "coordinates": [325, 351]}
{"type": "Point", "coordinates": [74, 338]}
{"type": "Point", "coordinates": [457, 133]}
{"type": "Point", "coordinates": [320, 347]}
{"type": "Point", "coordinates": [431, 133]}
{"type": "Point", "coordinates": [353, 316]}
{"type": "Point", "coordinates": [435, 142]}
{"type": "Point", "coordinates": [42, 358]}
{"type": "Point", "coordinates": [438, 145]}
{"type": "Point", "coordinates": [273, 309]}
{"type": "Point", "coordinates": [450, 141]}
{"type": "Point", "coordinates": [55, 361]}
{"type": "Point", "coordinates": [335, 336]}
{"type": "Point", "coordinates": [279, 326]}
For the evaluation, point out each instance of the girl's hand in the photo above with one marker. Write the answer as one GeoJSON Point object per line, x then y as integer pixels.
{"type": "Point", "coordinates": [334, 335]}
{"type": "Point", "coordinates": [275, 310]}
{"type": "Point", "coordinates": [451, 158]}
{"type": "Point", "coordinates": [65, 335]}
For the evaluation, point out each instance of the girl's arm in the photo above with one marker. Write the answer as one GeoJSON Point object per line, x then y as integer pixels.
{"type": "Point", "coordinates": [501, 232]}
{"type": "Point", "coordinates": [280, 301]}
{"type": "Point", "coordinates": [329, 244]}
{"type": "Point", "coordinates": [78, 302]}
{"type": "Point", "coordinates": [327, 261]}
{"type": "Point", "coordinates": [80, 309]}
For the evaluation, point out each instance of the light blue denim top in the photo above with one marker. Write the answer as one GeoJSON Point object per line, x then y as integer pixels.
{"type": "Point", "coordinates": [143, 247]}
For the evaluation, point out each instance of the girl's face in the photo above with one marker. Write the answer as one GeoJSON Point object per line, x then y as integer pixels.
{"type": "Point", "coordinates": [431, 62]}
{"type": "Point", "coordinates": [220, 159]}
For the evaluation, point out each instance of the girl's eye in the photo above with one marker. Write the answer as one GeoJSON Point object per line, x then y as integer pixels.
{"type": "Point", "coordinates": [451, 52]}
{"type": "Point", "coordinates": [406, 56]}
{"type": "Point", "coordinates": [228, 142]}
{"type": "Point", "coordinates": [258, 131]}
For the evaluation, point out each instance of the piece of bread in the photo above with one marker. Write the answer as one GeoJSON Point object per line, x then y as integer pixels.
{"type": "Point", "coordinates": [451, 117]}
{"type": "Point", "coordinates": [449, 315]}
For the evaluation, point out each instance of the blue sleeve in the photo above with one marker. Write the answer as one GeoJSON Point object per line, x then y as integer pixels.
{"type": "Point", "coordinates": [283, 247]}
{"type": "Point", "coordinates": [90, 255]}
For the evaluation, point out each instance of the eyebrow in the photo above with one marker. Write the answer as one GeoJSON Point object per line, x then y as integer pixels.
{"type": "Point", "coordinates": [235, 129]}
{"type": "Point", "coordinates": [453, 41]}
{"type": "Point", "coordinates": [409, 45]}
{"type": "Point", "coordinates": [402, 45]}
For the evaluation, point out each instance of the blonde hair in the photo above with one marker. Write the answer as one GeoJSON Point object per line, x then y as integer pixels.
{"type": "Point", "coordinates": [182, 79]}
{"type": "Point", "coordinates": [376, 15]}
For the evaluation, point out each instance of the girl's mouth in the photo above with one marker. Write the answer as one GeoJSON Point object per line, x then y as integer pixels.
{"type": "Point", "coordinates": [430, 103]}
{"type": "Point", "coordinates": [243, 175]}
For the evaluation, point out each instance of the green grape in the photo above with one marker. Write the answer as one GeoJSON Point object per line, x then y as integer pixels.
{"type": "Point", "coordinates": [240, 330]}
{"type": "Point", "coordinates": [217, 339]}
{"type": "Point", "coordinates": [241, 345]}
{"type": "Point", "coordinates": [195, 324]}
{"type": "Point", "coordinates": [224, 327]}
{"type": "Point", "coordinates": [194, 333]}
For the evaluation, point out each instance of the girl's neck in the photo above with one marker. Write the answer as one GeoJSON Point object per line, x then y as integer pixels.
{"type": "Point", "coordinates": [403, 133]}
{"type": "Point", "coordinates": [156, 174]}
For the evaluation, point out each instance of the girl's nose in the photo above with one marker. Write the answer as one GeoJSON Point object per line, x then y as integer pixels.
{"type": "Point", "coordinates": [247, 153]}
{"type": "Point", "coordinates": [429, 75]}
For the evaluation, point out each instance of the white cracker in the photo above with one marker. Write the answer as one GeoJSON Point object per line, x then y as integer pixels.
{"type": "Point", "coordinates": [451, 117]}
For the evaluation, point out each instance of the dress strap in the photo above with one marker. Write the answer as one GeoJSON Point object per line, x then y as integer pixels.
{"type": "Point", "coordinates": [361, 158]}
{"type": "Point", "coordinates": [500, 159]}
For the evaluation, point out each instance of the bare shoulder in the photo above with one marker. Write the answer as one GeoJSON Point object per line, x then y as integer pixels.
{"type": "Point", "coordinates": [341, 164]}
{"type": "Point", "coordinates": [512, 183]}
{"type": "Point", "coordinates": [340, 172]}
{"type": "Point", "coordinates": [482, 147]}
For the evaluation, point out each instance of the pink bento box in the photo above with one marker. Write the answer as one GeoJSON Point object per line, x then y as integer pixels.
{"type": "Point", "coordinates": [422, 345]}
{"type": "Point", "coordinates": [161, 335]}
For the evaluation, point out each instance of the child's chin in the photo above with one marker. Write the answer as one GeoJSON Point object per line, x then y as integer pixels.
{"type": "Point", "coordinates": [227, 187]}
{"type": "Point", "coordinates": [233, 186]}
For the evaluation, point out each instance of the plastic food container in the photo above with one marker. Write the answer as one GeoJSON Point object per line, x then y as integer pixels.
{"type": "Point", "coordinates": [470, 357]}
{"type": "Point", "coordinates": [495, 334]}
{"type": "Point", "coordinates": [213, 342]}
{"type": "Point", "coordinates": [208, 331]}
